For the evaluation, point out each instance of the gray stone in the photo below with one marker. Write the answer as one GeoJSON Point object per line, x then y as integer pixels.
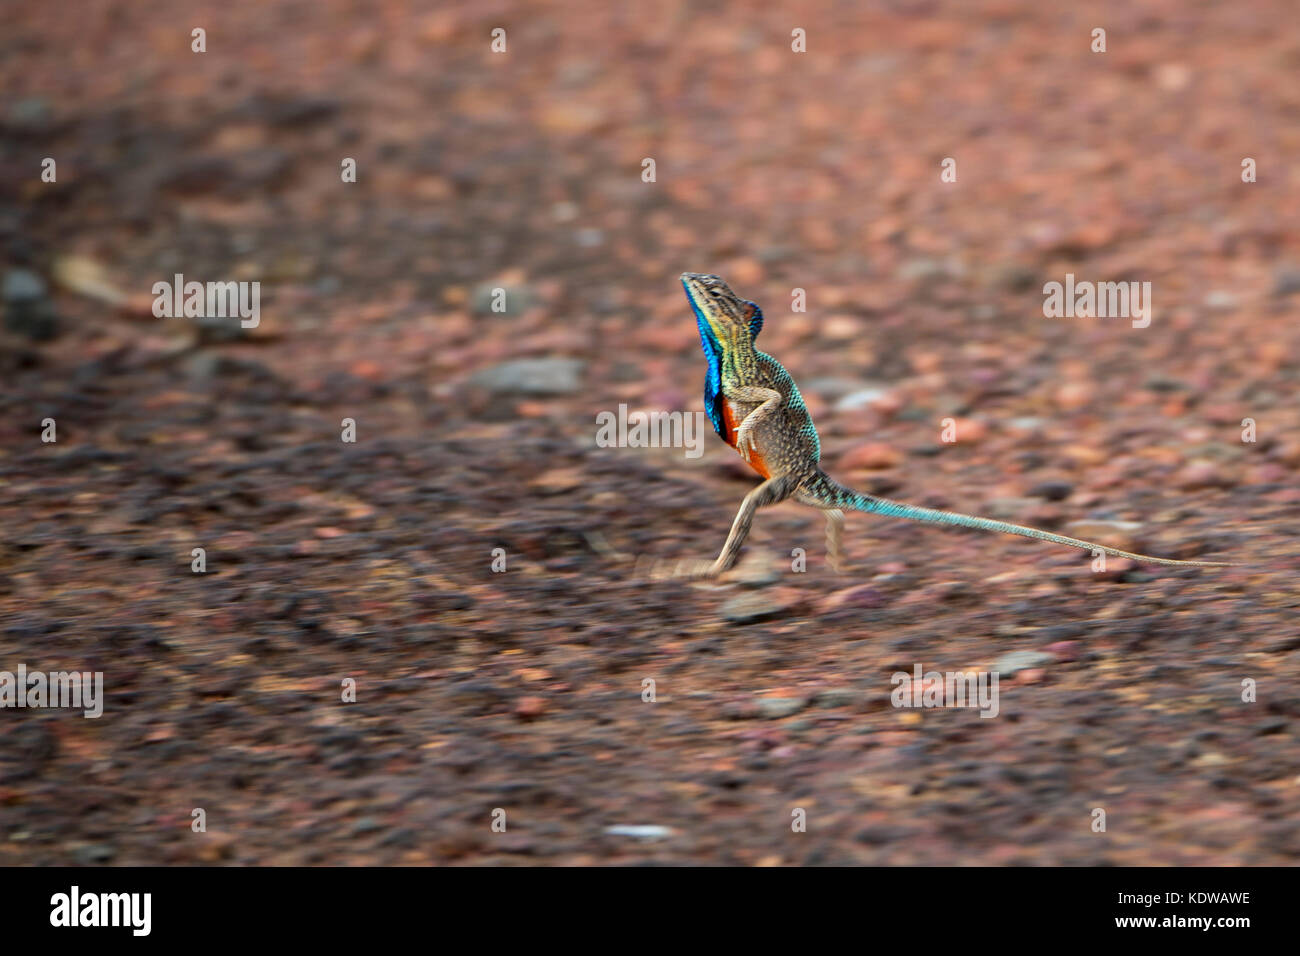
{"type": "Point", "coordinates": [837, 697]}
{"type": "Point", "coordinates": [1009, 508]}
{"type": "Point", "coordinates": [1286, 281]}
{"type": "Point", "coordinates": [1220, 299]}
{"type": "Point", "coordinates": [30, 112]}
{"type": "Point", "coordinates": [774, 708]}
{"type": "Point", "coordinates": [831, 388]}
{"type": "Point", "coordinates": [922, 268]}
{"type": "Point", "coordinates": [1052, 490]}
{"type": "Point", "coordinates": [94, 853]}
{"type": "Point", "coordinates": [541, 376]}
{"type": "Point", "coordinates": [28, 308]}
{"type": "Point", "coordinates": [1016, 661]}
{"type": "Point", "coordinates": [754, 606]}
{"type": "Point", "coordinates": [21, 285]}
{"type": "Point", "coordinates": [861, 398]}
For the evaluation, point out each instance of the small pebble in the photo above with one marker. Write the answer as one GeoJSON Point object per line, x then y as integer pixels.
{"type": "Point", "coordinates": [774, 708]}
{"type": "Point", "coordinates": [1017, 661]}
{"type": "Point", "coordinates": [642, 831]}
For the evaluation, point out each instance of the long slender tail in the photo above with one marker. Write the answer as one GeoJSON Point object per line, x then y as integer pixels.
{"type": "Point", "coordinates": [824, 491]}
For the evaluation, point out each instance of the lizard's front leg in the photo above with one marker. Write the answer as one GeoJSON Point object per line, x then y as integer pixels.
{"type": "Point", "coordinates": [768, 493]}
{"type": "Point", "coordinates": [768, 401]}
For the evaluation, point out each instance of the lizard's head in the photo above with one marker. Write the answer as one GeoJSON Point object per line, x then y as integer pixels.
{"type": "Point", "coordinates": [722, 315]}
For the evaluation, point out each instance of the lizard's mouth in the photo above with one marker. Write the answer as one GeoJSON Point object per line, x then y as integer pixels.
{"type": "Point", "coordinates": [712, 299]}
{"type": "Point", "coordinates": [703, 289]}
{"type": "Point", "coordinates": [702, 281]}
{"type": "Point", "coordinates": [705, 309]}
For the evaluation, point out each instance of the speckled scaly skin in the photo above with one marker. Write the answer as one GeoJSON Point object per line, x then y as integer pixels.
{"type": "Point", "coordinates": [756, 408]}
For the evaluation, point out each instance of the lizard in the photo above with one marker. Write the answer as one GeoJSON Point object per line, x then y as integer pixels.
{"type": "Point", "coordinates": [755, 407]}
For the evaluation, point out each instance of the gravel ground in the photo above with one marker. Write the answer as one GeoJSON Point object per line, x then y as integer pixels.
{"type": "Point", "coordinates": [372, 561]}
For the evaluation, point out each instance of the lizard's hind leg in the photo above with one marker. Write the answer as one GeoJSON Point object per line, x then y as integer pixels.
{"type": "Point", "coordinates": [834, 526]}
{"type": "Point", "coordinates": [834, 537]}
{"type": "Point", "coordinates": [768, 493]}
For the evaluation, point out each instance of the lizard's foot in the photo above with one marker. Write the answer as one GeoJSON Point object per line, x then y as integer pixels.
{"type": "Point", "coordinates": [745, 440]}
{"type": "Point", "coordinates": [686, 568]}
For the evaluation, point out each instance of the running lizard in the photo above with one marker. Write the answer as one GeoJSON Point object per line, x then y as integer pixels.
{"type": "Point", "coordinates": [756, 408]}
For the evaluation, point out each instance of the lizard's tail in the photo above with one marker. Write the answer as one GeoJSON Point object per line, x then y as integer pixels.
{"type": "Point", "coordinates": [823, 491]}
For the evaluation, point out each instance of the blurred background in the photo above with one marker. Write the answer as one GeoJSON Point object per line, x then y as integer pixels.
{"type": "Point", "coordinates": [523, 171]}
